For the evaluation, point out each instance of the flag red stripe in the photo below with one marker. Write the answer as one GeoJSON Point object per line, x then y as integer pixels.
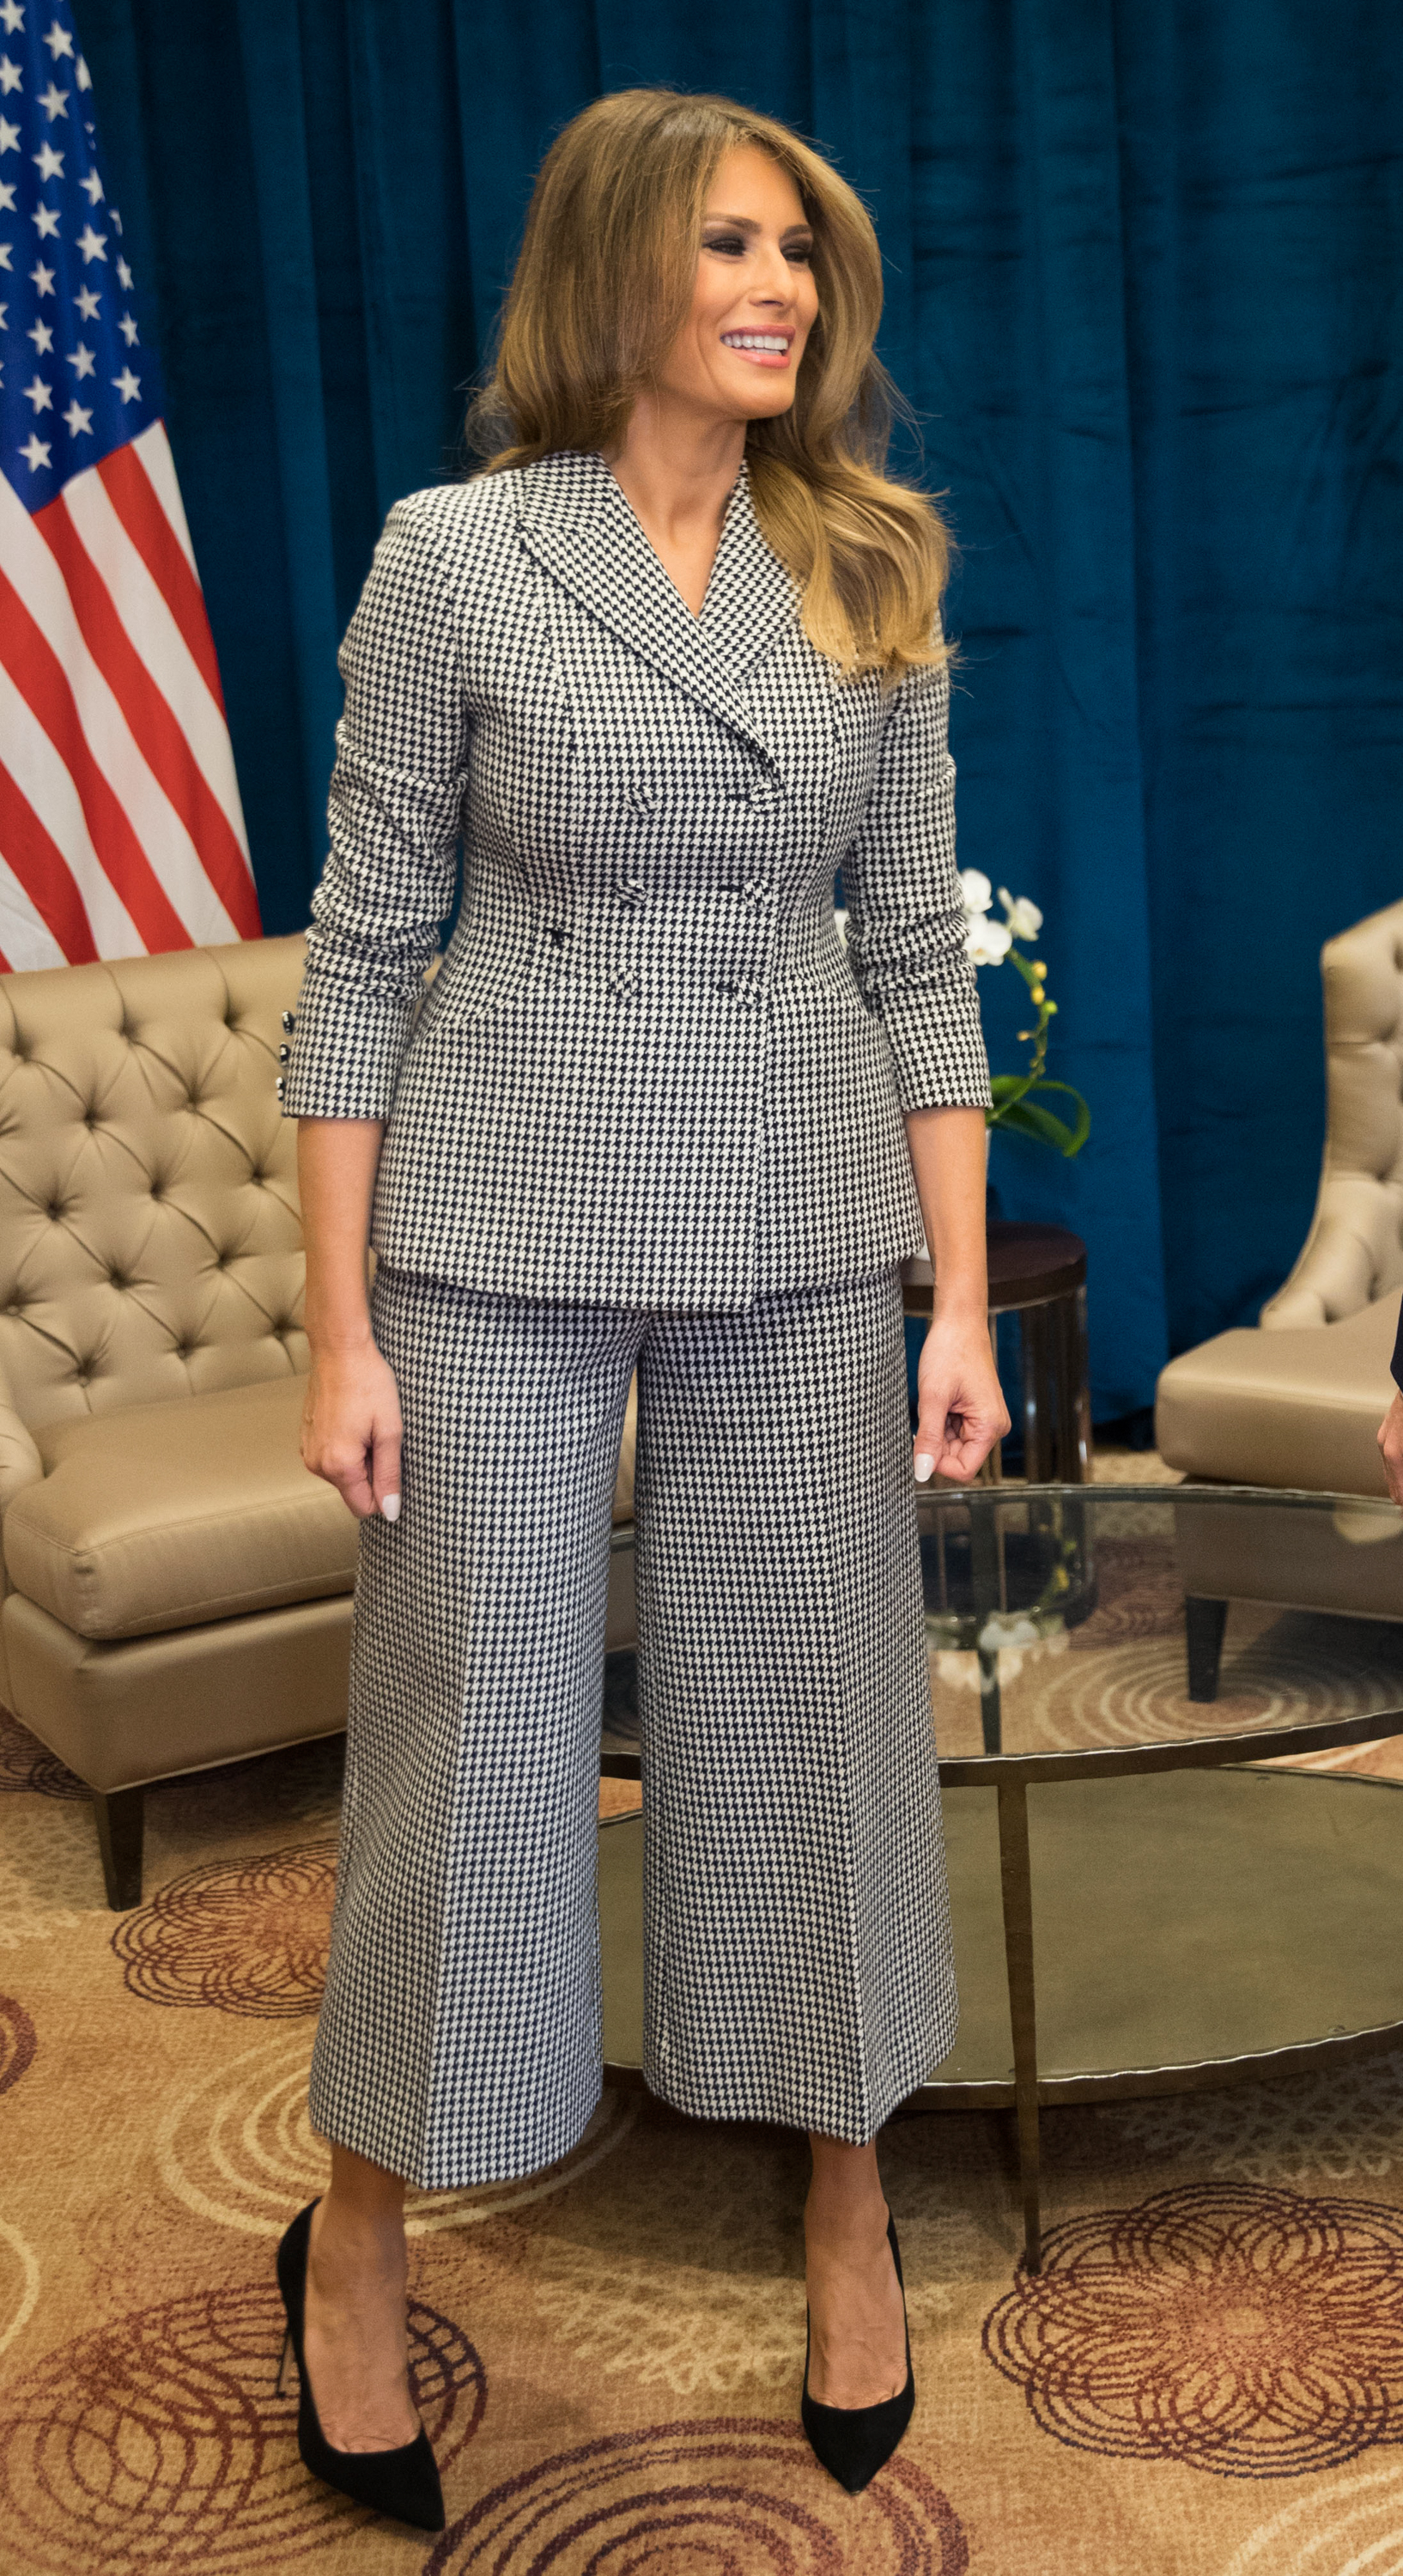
{"type": "Point", "coordinates": [154, 728]}
{"type": "Point", "coordinates": [44, 873]}
{"type": "Point", "coordinates": [5, 967]}
{"type": "Point", "coordinates": [41, 680]}
{"type": "Point", "coordinates": [130, 490]}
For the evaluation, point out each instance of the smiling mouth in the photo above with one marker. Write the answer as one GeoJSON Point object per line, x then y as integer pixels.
{"type": "Point", "coordinates": [763, 348]}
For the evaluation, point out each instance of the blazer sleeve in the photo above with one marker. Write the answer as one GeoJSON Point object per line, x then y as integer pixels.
{"type": "Point", "coordinates": [393, 817]}
{"type": "Point", "coordinates": [906, 921]}
{"type": "Point", "coordinates": [1396, 1363]}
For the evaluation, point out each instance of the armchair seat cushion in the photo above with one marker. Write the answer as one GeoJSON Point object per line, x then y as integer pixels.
{"type": "Point", "coordinates": [161, 1516]}
{"type": "Point", "coordinates": [1295, 1405]}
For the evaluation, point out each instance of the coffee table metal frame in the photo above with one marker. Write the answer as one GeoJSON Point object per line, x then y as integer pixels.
{"type": "Point", "coordinates": [1011, 1776]}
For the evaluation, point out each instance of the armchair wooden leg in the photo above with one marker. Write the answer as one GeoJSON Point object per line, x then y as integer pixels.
{"type": "Point", "coordinates": [1204, 1622]}
{"type": "Point", "coordinates": [119, 1816]}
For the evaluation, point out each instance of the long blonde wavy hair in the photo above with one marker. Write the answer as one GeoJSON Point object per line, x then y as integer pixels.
{"type": "Point", "coordinates": [605, 282]}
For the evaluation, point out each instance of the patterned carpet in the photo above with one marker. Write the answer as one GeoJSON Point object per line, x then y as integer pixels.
{"type": "Point", "coordinates": [1206, 2380]}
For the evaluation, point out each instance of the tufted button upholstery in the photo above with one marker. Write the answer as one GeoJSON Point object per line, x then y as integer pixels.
{"type": "Point", "coordinates": [1354, 1251]}
{"type": "Point", "coordinates": [174, 1113]}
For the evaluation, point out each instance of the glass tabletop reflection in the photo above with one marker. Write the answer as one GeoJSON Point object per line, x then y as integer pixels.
{"type": "Point", "coordinates": [1094, 1620]}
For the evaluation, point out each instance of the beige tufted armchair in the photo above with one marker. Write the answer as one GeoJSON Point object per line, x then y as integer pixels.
{"type": "Point", "coordinates": [176, 1585]}
{"type": "Point", "coordinates": [175, 1589]}
{"type": "Point", "coordinates": [1297, 1400]}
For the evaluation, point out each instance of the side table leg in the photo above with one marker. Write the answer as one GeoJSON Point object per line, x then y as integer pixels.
{"type": "Point", "coordinates": [1016, 1874]}
{"type": "Point", "coordinates": [991, 1707]}
{"type": "Point", "coordinates": [1081, 1373]}
{"type": "Point", "coordinates": [1067, 1324]}
{"type": "Point", "coordinates": [1039, 1397]}
{"type": "Point", "coordinates": [1205, 1622]}
{"type": "Point", "coordinates": [985, 1568]}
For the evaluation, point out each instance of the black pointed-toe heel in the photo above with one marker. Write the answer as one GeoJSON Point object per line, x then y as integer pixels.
{"type": "Point", "coordinates": [403, 2483]}
{"type": "Point", "coordinates": [854, 2442]}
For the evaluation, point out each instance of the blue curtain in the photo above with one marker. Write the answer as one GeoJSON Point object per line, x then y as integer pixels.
{"type": "Point", "coordinates": [1142, 270]}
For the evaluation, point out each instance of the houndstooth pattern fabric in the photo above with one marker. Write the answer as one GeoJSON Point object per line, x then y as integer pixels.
{"type": "Point", "coordinates": [797, 1961]}
{"type": "Point", "coordinates": [647, 1070]}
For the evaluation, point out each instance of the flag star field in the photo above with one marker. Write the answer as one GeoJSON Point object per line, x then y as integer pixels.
{"type": "Point", "coordinates": [121, 828]}
{"type": "Point", "coordinates": [74, 380]}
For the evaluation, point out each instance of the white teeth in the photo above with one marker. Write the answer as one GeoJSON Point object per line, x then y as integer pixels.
{"type": "Point", "coordinates": [770, 340]}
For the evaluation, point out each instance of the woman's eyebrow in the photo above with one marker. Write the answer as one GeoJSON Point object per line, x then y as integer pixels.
{"type": "Point", "coordinates": [748, 224]}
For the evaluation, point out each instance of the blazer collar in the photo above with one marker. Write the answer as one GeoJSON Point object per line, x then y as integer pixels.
{"type": "Point", "coordinates": [576, 521]}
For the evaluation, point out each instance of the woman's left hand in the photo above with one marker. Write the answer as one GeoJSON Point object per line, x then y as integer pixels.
{"type": "Point", "coordinates": [962, 1408]}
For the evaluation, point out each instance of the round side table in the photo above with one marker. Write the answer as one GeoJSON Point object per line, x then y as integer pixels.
{"type": "Point", "coordinates": [1038, 1273]}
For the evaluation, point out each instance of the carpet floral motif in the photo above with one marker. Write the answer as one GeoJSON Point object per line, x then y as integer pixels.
{"type": "Point", "coordinates": [16, 2042]}
{"type": "Point", "coordinates": [1139, 1593]}
{"type": "Point", "coordinates": [1341, 2123]}
{"type": "Point", "coordinates": [50, 1874]}
{"type": "Point", "coordinates": [19, 2284]}
{"type": "Point", "coordinates": [25, 1763]}
{"type": "Point", "coordinates": [248, 1938]}
{"type": "Point", "coordinates": [1353, 2527]}
{"type": "Point", "coordinates": [1255, 2333]}
{"type": "Point", "coordinates": [730, 2493]}
{"type": "Point", "coordinates": [159, 2443]}
{"type": "Point", "coordinates": [237, 2148]}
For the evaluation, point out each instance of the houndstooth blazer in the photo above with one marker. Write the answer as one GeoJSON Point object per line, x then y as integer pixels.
{"type": "Point", "coordinates": [647, 1071]}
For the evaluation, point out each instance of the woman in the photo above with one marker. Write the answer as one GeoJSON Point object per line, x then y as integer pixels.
{"type": "Point", "coordinates": [671, 660]}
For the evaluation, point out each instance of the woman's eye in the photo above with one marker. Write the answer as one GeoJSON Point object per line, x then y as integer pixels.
{"type": "Point", "coordinates": [731, 243]}
{"type": "Point", "coordinates": [800, 253]}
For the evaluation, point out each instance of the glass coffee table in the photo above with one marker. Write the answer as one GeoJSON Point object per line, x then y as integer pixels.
{"type": "Point", "coordinates": [1177, 1904]}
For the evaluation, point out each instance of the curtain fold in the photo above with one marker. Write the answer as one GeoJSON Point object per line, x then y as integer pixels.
{"type": "Point", "coordinates": [1020, 370]}
{"type": "Point", "coordinates": [271, 51]}
{"type": "Point", "coordinates": [1141, 275]}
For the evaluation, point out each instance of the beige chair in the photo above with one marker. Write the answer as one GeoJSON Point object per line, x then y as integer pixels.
{"type": "Point", "coordinates": [1296, 1401]}
{"type": "Point", "coordinates": [176, 1587]}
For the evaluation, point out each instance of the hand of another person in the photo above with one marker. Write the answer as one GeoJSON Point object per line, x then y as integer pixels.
{"type": "Point", "coordinates": [961, 1403]}
{"type": "Point", "coordinates": [1391, 1443]}
{"type": "Point", "coordinates": [352, 1429]}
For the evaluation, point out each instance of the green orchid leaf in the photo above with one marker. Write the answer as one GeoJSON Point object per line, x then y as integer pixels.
{"type": "Point", "coordinates": [1027, 1119]}
{"type": "Point", "coordinates": [1082, 1128]}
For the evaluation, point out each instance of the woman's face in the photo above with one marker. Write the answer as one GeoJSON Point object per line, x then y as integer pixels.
{"type": "Point", "coordinates": [755, 302]}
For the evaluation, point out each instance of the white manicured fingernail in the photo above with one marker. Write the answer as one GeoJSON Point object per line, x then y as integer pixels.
{"type": "Point", "coordinates": [924, 1467]}
{"type": "Point", "coordinates": [390, 1507]}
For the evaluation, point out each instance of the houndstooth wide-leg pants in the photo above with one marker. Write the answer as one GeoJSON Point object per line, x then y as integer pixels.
{"type": "Point", "coordinates": [796, 1928]}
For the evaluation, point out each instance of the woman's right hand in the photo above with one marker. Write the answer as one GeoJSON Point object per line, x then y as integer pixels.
{"type": "Point", "coordinates": [352, 1428]}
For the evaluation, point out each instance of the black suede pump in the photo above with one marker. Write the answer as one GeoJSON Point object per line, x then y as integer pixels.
{"type": "Point", "coordinates": [854, 2442]}
{"type": "Point", "coordinates": [403, 2483]}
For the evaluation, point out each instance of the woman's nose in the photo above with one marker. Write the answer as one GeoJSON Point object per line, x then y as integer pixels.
{"type": "Point", "coordinates": [775, 285]}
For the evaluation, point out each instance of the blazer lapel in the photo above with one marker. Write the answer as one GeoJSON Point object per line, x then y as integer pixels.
{"type": "Point", "coordinates": [577, 523]}
{"type": "Point", "coordinates": [750, 597]}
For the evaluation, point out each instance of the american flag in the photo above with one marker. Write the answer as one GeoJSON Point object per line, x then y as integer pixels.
{"type": "Point", "coordinates": [120, 823]}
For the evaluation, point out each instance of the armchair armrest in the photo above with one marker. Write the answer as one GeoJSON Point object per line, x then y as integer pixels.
{"type": "Point", "coordinates": [20, 1465]}
{"type": "Point", "coordinates": [20, 1462]}
{"type": "Point", "coordinates": [1349, 1258]}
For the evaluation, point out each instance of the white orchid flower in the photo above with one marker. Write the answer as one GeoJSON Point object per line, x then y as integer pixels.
{"type": "Point", "coordinates": [1024, 918]}
{"type": "Point", "coordinates": [976, 890]}
{"type": "Point", "coordinates": [987, 942]}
